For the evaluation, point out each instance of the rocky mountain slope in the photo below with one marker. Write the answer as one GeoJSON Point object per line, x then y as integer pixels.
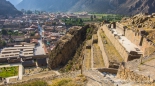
{"type": "Point", "coordinates": [134, 6]}
{"type": "Point", "coordinates": [48, 5]}
{"type": "Point", "coordinates": [68, 52]}
{"type": "Point", "coordinates": [62, 53]}
{"type": "Point", "coordinates": [6, 8]}
{"type": "Point", "coordinates": [99, 6]}
{"type": "Point", "coordinates": [126, 7]}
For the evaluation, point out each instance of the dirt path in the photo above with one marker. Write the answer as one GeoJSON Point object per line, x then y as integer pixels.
{"type": "Point", "coordinates": [95, 78]}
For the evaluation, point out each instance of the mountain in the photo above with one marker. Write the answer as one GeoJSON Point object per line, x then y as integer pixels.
{"type": "Point", "coordinates": [134, 6]}
{"type": "Point", "coordinates": [48, 5]}
{"type": "Point", "coordinates": [126, 7]}
{"type": "Point", "coordinates": [14, 2]}
{"type": "Point", "coordinates": [98, 6]}
{"type": "Point", "coordinates": [6, 8]}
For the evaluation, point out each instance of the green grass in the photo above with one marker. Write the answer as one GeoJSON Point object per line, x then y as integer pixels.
{"type": "Point", "coordinates": [108, 17]}
{"type": "Point", "coordinates": [8, 71]}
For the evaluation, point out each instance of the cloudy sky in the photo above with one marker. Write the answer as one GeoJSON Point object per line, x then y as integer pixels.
{"type": "Point", "coordinates": [15, 2]}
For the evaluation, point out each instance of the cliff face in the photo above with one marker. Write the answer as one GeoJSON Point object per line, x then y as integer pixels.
{"type": "Point", "coordinates": [6, 8]}
{"type": "Point", "coordinates": [67, 46]}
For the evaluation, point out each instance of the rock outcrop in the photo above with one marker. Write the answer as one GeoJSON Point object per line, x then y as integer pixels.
{"type": "Point", "coordinates": [67, 46]}
{"type": "Point", "coordinates": [129, 71]}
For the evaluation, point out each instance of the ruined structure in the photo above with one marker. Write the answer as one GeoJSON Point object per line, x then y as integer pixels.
{"type": "Point", "coordinates": [125, 47]}
{"type": "Point", "coordinates": [140, 31]}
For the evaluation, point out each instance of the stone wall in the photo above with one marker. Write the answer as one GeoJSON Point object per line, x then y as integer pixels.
{"type": "Point", "coordinates": [108, 70]}
{"type": "Point", "coordinates": [104, 55]}
{"type": "Point", "coordinates": [131, 75]}
{"type": "Point", "coordinates": [92, 56]}
{"type": "Point", "coordinates": [136, 38]}
{"type": "Point", "coordinates": [116, 43]}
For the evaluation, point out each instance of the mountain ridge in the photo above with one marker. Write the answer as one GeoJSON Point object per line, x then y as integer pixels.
{"type": "Point", "coordinates": [6, 8]}
{"type": "Point", "coordinates": [125, 7]}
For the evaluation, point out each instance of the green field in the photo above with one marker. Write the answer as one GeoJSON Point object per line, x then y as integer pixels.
{"type": "Point", "coordinates": [8, 71]}
{"type": "Point", "coordinates": [102, 17]}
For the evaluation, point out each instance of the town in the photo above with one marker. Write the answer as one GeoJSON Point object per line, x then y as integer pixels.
{"type": "Point", "coordinates": [27, 40]}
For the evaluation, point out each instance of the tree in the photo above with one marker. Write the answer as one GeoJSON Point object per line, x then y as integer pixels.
{"type": "Point", "coordinates": [81, 21]}
{"type": "Point", "coordinates": [4, 32]}
{"type": "Point", "coordinates": [94, 16]}
{"type": "Point", "coordinates": [3, 43]}
{"type": "Point", "coordinates": [32, 34]}
{"type": "Point", "coordinates": [22, 10]}
{"type": "Point", "coordinates": [91, 17]}
{"type": "Point", "coordinates": [29, 12]}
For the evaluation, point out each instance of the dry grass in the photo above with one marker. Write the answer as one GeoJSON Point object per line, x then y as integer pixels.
{"type": "Point", "coordinates": [98, 59]}
{"type": "Point", "coordinates": [111, 51]}
{"type": "Point", "coordinates": [87, 58]}
{"type": "Point", "coordinates": [149, 51]}
{"type": "Point", "coordinates": [78, 81]}
{"type": "Point", "coordinates": [32, 83]}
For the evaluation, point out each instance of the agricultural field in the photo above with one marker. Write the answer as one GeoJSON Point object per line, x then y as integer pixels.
{"type": "Point", "coordinates": [103, 17]}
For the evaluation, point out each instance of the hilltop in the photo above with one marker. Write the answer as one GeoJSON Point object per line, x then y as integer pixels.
{"type": "Point", "coordinates": [6, 8]}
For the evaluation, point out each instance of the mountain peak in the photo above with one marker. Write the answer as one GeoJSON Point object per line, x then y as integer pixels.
{"type": "Point", "coordinates": [6, 8]}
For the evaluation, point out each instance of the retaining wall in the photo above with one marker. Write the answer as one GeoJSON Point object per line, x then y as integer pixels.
{"type": "Point", "coordinates": [116, 43]}
{"type": "Point", "coordinates": [104, 55]}
{"type": "Point", "coordinates": [108, 70]}
{"type": "Point", "coordinates": [92, 59]}
{"type": "Point", "coordinates": [130, 75]}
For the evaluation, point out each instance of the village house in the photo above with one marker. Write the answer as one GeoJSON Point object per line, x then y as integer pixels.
{"type": "Point", "coordinates": [18, 38]}
{"type": "Point", "coordinates": [34, 41]}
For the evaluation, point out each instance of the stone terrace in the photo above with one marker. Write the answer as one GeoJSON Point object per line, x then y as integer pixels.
{"type": "Point", "coordinates": [113, 55]}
